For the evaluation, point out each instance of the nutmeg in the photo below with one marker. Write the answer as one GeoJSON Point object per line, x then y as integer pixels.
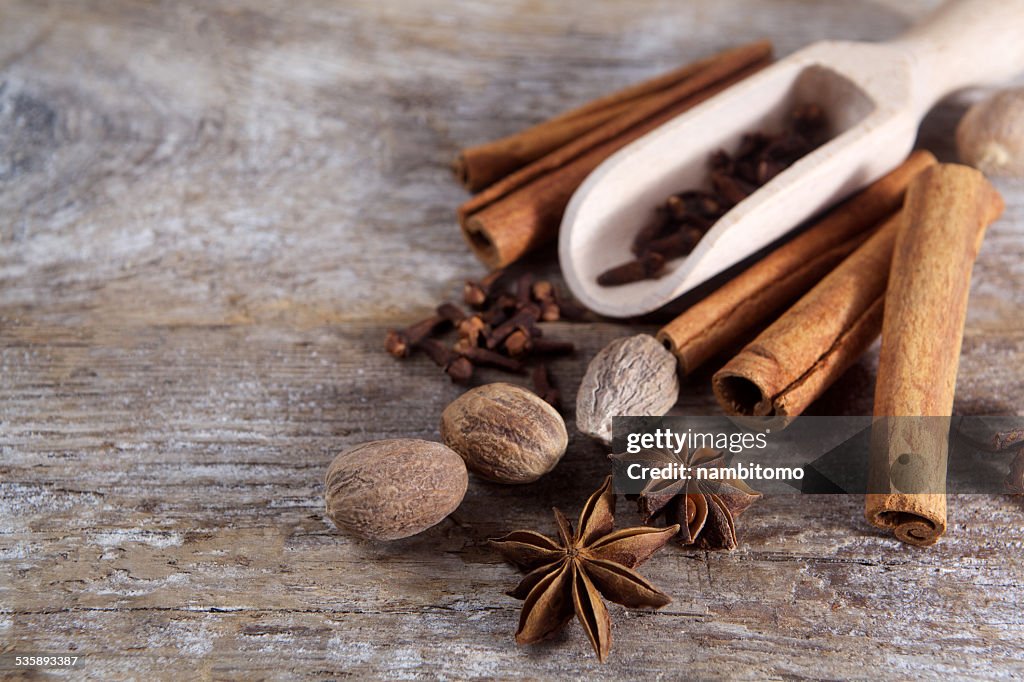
{"type": "Point", "coordinates": [990, 136]}
{"type": "Point", "coordinates": [505, 433]}
{"type": "Point", "coordinates": [634, 375]}
{"type": "Point", "coordinates": [391, 489]}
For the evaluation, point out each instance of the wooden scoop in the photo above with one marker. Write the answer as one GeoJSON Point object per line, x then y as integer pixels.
{"type": "Point", "coordinates": [874, 95]}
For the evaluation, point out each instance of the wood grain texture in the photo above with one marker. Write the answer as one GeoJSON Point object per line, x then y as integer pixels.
{"type": "Point", "coordinates": [212, 211]}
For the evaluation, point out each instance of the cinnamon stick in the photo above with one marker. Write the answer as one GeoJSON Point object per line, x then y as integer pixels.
{"type": "Point", "coordinates": [944, 218]}
{"type": "Point", "coordinates": [479, 166]}
{"type": "Point", "coordinates": [802, 353]}
{"type": "Point", "coordinates": [722, 320]}
{"type": "Point", "coordinates": [522, 211]}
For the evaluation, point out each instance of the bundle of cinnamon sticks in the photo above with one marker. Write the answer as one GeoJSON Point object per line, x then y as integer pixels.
{"type": "Point", "coordinates": [528, 178]}
{"type": "Point", "coordinates": [901, 251]}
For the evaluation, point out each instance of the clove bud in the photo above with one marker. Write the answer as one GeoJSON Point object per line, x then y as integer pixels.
{"type": "Point", "coordinates": [400, 342]}
{"type": "Point", "coordinates": [476, 293]}
{"type": "Point", "coordinates": [645, 267]}
{"type": "Point", "coordinates": [490, 358]}
{"type": "Point", "coordinates": [543, 387]}
{"type": "Point", "coordinates": [460, 370]}
{"type": "Point", "coordinates": [451, 312]}
{"type": "Point", "coordinates": [524, 319]}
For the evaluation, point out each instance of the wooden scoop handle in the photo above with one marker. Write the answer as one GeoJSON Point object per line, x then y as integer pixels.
{"type": "Point", "coordinates": [965, 43]}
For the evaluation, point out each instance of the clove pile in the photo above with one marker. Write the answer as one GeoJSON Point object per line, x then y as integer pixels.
{"type": "Point", "coordinates": [499, 330]}
{"type": "Point", "coordinates": [685, 217]}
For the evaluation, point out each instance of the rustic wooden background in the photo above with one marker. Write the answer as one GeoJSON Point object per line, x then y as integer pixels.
{"type": "Point", "coordinates": [212, 211]}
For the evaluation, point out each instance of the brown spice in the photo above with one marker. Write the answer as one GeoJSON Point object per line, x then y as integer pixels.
{"type": "Point", "coordinates": [451, 312]}
{"type": "Point", "coordinates": [524, 319]}
{"type": "Point", "coordinates": [472, 328]}
{"type": "Point", "coordinates": [791, 363]}
{"type": "Point", "coordinates": [734, 312]}
{"type": "Point", "coordinates": [632, 375]}
{"type": "Point", "coordinates": [399, 342]}
{"type": "Point", "coordinates": [475, 293]}
{"type": "Point", "coordinates": [436, 351]}
{"type": "Point", "coordinates": [522, 211]}
{"type": "Point", "coordinates": [571, 574]}
{"type": "Point", "coordinates": [369, 492]}
{"type": "Point", "coordinates": [1001, 442]}
{"type": "Point", "coordinates": [1005, 440]}
{"type": "Point", "coordinates": [460, 370]}
{"type": "Point", "coordinates": [541, 346]}
{"type": "Point", "coordinates": [543, 387]}
{"type": "Point", "coordinates": [647, 266]}
{"type": "Point", "coordinates": [1014, 481]}
{"type": "Point", "coordinates": [705, 510]}
{"type": "Point", "coordinates": [503, 334]}
{"type": "Point", "coordinates": [544, 294]}
{"type": "Point", "coordinates": [505, 433]}
{"type": "Point", "coordinates": [518, 342]}
{"type": "Point", "coordinates": [679, 224]}
{"type": "Point", "coordinates": [490, 358]}
{"type": "Point", "coordinates": [479, 166]}
{"type": "Point", "coordinates": [944, 218]}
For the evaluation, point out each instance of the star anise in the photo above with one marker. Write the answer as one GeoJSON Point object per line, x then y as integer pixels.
{"type": "Point", "coordinates": [571, 574]}
{"type": "Point", "coordinates": [1002, 442]}
{"type": "Point", "coordinates": [1014, 481]}
{"type": "Point", "coordinates": [1006, 440]}
{"type": "Point", "coordinates": [705, 510]}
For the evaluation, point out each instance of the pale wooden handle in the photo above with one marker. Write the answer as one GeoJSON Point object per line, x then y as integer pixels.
{"type": "Point", "coordinates": [965, 43]}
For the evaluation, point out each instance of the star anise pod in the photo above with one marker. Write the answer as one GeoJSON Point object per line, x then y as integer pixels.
{"type": "Point", "coordinates": [1002, 442]}
{"type": "Point", "coordinates": [571, 574]}
{"type": "Point", "coordinates": [705, 510]}
{"type": "Point", "coordinates": [1014, 481]}
{"type": "Point", "coordinates": [1006, 440]}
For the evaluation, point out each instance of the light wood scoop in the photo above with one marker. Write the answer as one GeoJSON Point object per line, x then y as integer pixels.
{"type": "Point", "coordinates": [875, 95]}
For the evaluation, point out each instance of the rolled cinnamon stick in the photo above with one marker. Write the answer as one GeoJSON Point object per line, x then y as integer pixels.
{"type": "Point", "coordinates": [483, 165]}
{"type": "Point", "coordinates": [802, 353]}
{"type": "Point", "coordinates": [479, 166]}
{"type": "Point", "coordinates": [722, 320]}
{"type": "Point", "coordinates": [522, 211]}
{"type": "Point", "coordinates": [944, 217]}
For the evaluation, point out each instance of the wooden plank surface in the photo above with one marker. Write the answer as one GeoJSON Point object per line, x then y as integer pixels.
{"type": "Point", "coordinates": [212, 211]}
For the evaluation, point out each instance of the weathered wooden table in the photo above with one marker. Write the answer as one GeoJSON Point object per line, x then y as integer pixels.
{"type": "Point", "coordinates": [211, 212]}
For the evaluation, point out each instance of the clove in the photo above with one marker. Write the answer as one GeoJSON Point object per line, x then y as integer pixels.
{"type": "Point", "coordinates": [551, 347]}
{"type": "Point", "coordinates": [460, 370]}
{"type": "Point", "coordinates": [524, 319]}
{"type": "Point", "coordinates": [685, 217]}
{"type": "Point", "coordinates": [501, 331]}
{"type": "Point", "coordinates": [544, 294]}
{"type": "Point", "coordinates": [436, 351]}
{"type": "Point", "coordinates": [451, 312]}
{"type": "Point", "coordinates": [645, 267]}
{"type": "Point", "coordinates": [473, 329]}
{"type": "Point", "coordinates": [399, 342]}
{"type": "Point", "coordinates": [490, 358]}
{"type": "Point", "coordinates": [476, 293]}
{"type": "Point", "coordinates": [518, 343]}
{"type": "Point", "coordinates": [543, 387]}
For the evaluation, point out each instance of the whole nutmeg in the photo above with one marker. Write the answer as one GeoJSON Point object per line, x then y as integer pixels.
{"type": "Point", "coordinates": [505, 433]}
{"type": "Point", "coordinates": [635, 375]}
{"type": "Point", "coordinates": [391, 489]}
{"type": "Point", "coordinates": [990, 136]}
